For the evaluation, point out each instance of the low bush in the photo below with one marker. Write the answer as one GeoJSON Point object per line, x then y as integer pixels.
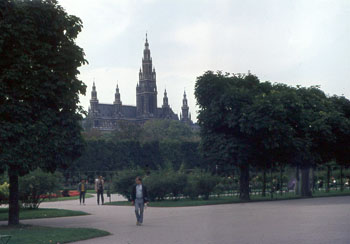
{"type": "Point", "coordinates": [4, 193]}
{"type": "Point", "coordinates": [201, 184]}
{"type": "Point", "coordinates": [158, 185]}
{"type": "Point", "coordinates": [34, 185]}
{"type": "Point", "coordinates": [167, 183]}
{"type": "Point", "coordinates": [124, 181]}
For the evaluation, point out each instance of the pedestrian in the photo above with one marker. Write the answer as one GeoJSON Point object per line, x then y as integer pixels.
{"type": "Point", "coordinates": [99, 187]}
{"type": "Point", "coordinates": [139, 197]}
{"type": "Point", "coordinates": [82, 187]}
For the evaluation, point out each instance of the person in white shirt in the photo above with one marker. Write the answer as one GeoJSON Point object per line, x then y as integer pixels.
{"type": "Point", "coordinates": [139, 197]}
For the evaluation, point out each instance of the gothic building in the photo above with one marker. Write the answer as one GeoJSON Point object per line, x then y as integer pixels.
{"type": "Point", "coordinates": [106, 116]}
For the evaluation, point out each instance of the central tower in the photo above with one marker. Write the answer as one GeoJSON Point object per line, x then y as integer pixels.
{"type": "Point", "coordinates": [146, 89]}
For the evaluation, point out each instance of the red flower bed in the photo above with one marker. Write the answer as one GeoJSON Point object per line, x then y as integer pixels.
{"type": "Point", "coordinates": [53, 195]}
{"type": "Point", "coordinates": [73, 193]}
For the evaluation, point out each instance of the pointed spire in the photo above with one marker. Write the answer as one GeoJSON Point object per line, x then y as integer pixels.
{"type": "Point", "coordinates": [146, 43]}
{"type": "Point", "coordinates": [165, 99]}
{"type": "Point", "coordinates": [117, 96]}
{"type": "Point", "coordinates": [184, 109]}
{"type": "Point", "coordinates": [94, 92]}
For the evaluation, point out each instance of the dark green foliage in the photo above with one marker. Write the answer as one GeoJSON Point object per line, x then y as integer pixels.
{"type": "Point", "coordinates": [201, 184]}
{"type": "Point", "coordinates": [102, 155]}
{"type": "Point", "coordinates": [124, 181]}
{"type": "Point", "coordinates": [167, 130]}
{"type": "Point", "coordinates": [158, 184]}
{"type": "Point", "coordinates": [4, 193]}
{"type": "Point", "coordinates": [249, 124]}
{"type": "Point", "coordinates": [36, 184]}
{"type": "Point", "coordinates": [167, 183]}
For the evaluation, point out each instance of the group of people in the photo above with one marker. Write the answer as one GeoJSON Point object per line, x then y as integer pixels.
{"type": "Point", "coordinates": [99, 188]}
{"type": "Point", "coordinates": [139, 195]}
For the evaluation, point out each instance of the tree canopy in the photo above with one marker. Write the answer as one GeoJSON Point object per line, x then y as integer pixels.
{"type": "Point", "coordinates": [39, 90]}
{"type": "Point", "coordinates": [248, 123]}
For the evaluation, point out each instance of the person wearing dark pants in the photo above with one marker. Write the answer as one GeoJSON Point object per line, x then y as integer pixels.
{"type": "Point", "coordinates": [82, 190]}
{"type": "Point", "coordinates": [139, 197]}
{"type": "Point", "coordinates": [99, 186]}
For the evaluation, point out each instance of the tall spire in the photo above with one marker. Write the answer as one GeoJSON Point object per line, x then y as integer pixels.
{"type": "Point", "coordinates": [117, 96]}
{"type": "Point", "coordinates": [146, 89]}
{"type": "Point", "coordinates": [165, 100]}
{"type": "Point", "coordinates": [146, 51]}
{"type": "Point", "coordinates": [94, 92]}
{"type": "Point", "coordinates": [184, 108]}
{"type": "Point", "coordinates": [146, 43]}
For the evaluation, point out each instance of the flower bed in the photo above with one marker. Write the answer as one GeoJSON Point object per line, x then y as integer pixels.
{"type": "Point", "coordinates": [72, 193]}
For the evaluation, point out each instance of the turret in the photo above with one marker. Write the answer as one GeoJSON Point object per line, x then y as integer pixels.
{"type": "Point", "coordinates": [146, 89]}
{"type": "Point", "coordinates": [117, 96]}
{"type": "Point", "coordinates": [93, 100]}
{"type": "Point", "coordinates": [165, 100]}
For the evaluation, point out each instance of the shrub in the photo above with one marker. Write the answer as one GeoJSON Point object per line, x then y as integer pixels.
{"type": "Point", "coordinates": [191, 189]}
{"type": "Point", "coordinates": [219, 189]}
{"type": "Point", "coordinates": [206, 184]}
{"type": "Point", "coordinates": [200, 184]}
{"type": "Point", "coordinates": [36, 184]}
{"type": "Point", "coordinates": [158, 185]}
{"type": "Point", "coordinates": [178, 182]}
{"type": "Point", "coordinates": [165, 183]}
{"type": "Point", "coordinates": [124, 181]}
{"type": "Point", "coordinates": [4, 193]}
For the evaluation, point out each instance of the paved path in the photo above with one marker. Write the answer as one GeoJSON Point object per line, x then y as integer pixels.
{"type": "Point", "coordinates": [306, 221]}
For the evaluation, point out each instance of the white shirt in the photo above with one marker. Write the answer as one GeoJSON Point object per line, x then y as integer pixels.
{"type": "Point", "coordinates": [139, 191]}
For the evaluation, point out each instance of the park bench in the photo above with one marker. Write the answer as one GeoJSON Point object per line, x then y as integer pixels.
{"type": "Point", "coordinates": [4, 239]}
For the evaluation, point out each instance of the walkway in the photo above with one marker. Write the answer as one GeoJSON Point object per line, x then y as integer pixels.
{"type": "Point", "coordinates": [306, 221]}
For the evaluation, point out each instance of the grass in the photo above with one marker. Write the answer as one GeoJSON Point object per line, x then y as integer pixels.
{"type": "Point", "coordinates": [66, 198]}
{"type": "Point", "coordinates": [45, 235]}
{"type": "Point", "coordinates": [41, 213]}
{"type": "Point", "coordinates": [230, 199]}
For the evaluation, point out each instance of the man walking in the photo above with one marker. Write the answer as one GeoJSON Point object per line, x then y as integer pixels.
{"type": "Point", "coordinates": [139, 197]}
{"type": "Point", "coordinates": [99, 186]}
{"type": "Point", "coordinates": [82, 190]}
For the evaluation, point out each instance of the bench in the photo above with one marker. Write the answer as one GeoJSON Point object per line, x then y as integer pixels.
{"type": "Point", "coordinates": [4, 239]}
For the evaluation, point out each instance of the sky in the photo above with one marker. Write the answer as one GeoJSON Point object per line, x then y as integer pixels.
{"type": "Point", "coordinates": [296, 42]}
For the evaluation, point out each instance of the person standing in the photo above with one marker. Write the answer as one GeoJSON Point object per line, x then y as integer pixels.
{"type": "Point", "coordinates": [99, 187]}
{"type": "Point", "coordinates": [139, 197]}
{"type": "Point", "coordinates": [82, 187]}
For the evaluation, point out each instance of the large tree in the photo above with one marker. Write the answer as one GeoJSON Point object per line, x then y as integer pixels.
{"type": "Point", "coordinates": [223, 102]}
{"type": "Point", "coordinates": [39, 90]}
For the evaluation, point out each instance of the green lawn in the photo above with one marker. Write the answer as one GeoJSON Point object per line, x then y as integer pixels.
{"type": "Point", "coordinates": [27, 234]}
{"type": "Point", "coordinates": [230, 199]}
{"type": "Point", "coordinates": [41, 213]}
{"type": "Point", "coordinates": [66, 198]}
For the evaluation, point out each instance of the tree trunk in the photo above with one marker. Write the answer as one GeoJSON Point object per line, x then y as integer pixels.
{"type": "Point", "coordinates": [264, 183]}
{"type": "Point", "coordinates": [297, 178]}
{"type": "Point", "coordinates": [271, 184]}
{"type": "Point", "coordinates": [281, 180]}
{"type": "Point", "coordinates": [313, 185]}
{"type": "Point", "coordinates": [305, 182]}
{"type": "Point", "coordinates": [13, 198]}
{"type": "Point", "coordinates": [341, 178]}
{"type": "Point", "coordinates": [328, 177]}
{"type": "Point", "coordinates": [244, 183]}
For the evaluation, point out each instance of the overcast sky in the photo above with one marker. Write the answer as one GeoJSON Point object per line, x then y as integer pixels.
{"type": "Point", "coordinates": [298, 42]}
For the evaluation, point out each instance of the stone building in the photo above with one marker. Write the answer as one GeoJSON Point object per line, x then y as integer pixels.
{"type": "Point", "coordinates": [106, 116]}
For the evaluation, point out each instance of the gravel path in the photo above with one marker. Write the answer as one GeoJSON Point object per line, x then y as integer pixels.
{"type": "Point", "coordinates": [305, 221]}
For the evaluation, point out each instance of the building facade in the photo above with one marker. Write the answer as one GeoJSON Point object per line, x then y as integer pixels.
{"type": "Point", "coordinates": [106, 116]}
